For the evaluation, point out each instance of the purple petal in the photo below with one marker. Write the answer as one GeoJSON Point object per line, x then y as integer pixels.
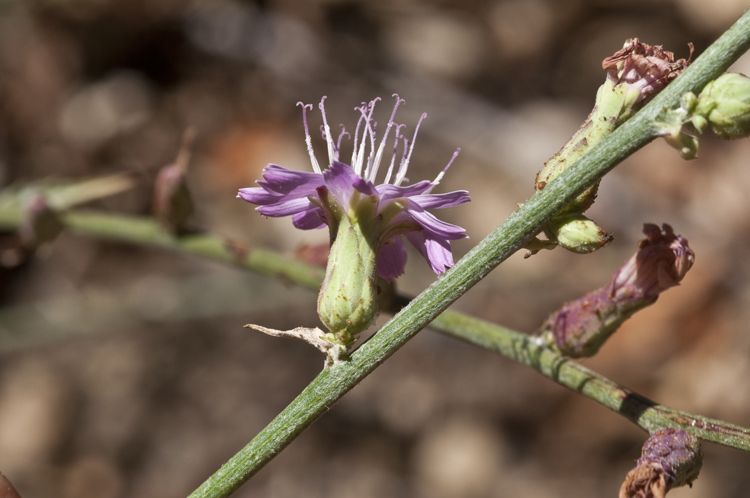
{"type": "Point", "coordinates": [392, 259]}
{"type": "Point", "coordinates": [390, 192]}
{"type": "Point", "coordinates": [436, 251]}
{"type": "Point", "coordinates": [339, 179]}
{"type": "Point", "coordinates": [431, 224]}
{"type": "Point", "coordinates": [286, 208]}
{"type": "Point", "coordinates": [438, 201]}
{"type": "Point", "coordinates": [365, 187]}
{"type": "Point", "coordinates": [310, 219]}
{"type": "Point", "coordinates": [257, 195]}
{"type": "Point", "coordinates": [289, 182]}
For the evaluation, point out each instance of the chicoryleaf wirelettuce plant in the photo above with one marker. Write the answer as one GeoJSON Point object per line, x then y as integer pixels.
{"type": "Point", "coordinates": [513, 234]}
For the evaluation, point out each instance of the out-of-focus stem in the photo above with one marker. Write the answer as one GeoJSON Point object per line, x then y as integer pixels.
{"type": "Point", "coordinates": [514, 345]}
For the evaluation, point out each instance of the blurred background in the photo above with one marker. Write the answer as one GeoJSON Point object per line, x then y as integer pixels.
{"type": "Point", "coordinates": [125, 371]}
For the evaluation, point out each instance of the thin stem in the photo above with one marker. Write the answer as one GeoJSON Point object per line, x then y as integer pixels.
{"type": "Point", "coordinates": [145, 231]}
{"type": "Point", "coordinates": [643, 412]}
{"type": "Point", "coordinates": [509, 343]}
{"type": "Point", "coordinates": [512, 344]}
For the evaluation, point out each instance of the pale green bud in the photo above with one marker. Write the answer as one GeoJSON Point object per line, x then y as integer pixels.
{"type": "Point", "coordinates": [577, 233]}
{"type": "Point", "coordinates": [724, 104]}
{"type": "Point", "coordinates": [347, 303]}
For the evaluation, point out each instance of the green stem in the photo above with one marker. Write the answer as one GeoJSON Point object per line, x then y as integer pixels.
{"type": "Point", "coordinates": [146, 231]}
{"type": "Point", "coordinates": [514, 345]}
{"type": "Point", "coordinates": [636, 408]}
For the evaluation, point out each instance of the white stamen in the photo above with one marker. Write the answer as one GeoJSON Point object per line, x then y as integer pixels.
{"type": "Point", "coordinates": [442, 173]}
{"type": "Point", "coordinates": [359, 151]}
{"type": "Point", "coordinates": [308, 140]}
{"type": "Point", "coordinates": [395, 148]}
{"type": "Point", "coordinates": [329, 139]}
{"type": "Point", "coordinates": [379, 155]}
{"type": "Point", "coordinates": [402, 170]}
{"type": "Point", "coordinates": [356, 134]}
{"type": "Point", "coordinates": [370, 130]}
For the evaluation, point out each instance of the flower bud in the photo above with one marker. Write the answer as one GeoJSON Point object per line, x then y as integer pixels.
{"type": "Point", "coordinates": [670, 458]}
{"type": "Point", "coordinates": [173, 204]}
{"type": "Point", "coordinates": [724, 105]}
{"type": "Point", "coordinates": [39, 222]}
{"type": "Point", "coordinates": [581, 327]}
{"type": "Point", "coordinates": [577, 233]}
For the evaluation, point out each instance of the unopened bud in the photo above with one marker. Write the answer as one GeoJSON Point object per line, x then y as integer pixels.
{"type": "Point", "coordinates": [577, 233]}
{"type": "Point", "coordinates": [670, 458]}
{"type": "Point", "coordinates": [724, 105]}
{"type": "Point", "coordinates": [581, 327]}
{"type": "Point", "coordinates": [173, 204]}
{"type": "Point", "coordinates": [39, 222]}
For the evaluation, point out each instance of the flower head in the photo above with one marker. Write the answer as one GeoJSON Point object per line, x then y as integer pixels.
{"type": "Point", "coordinates": [173, 203]}
{"type": "Point", "coordinates": [366, 221]}
{"type": "Point", "coordinates": [401, 209]}
{"type": "Point", "coordinates": [661, 262]}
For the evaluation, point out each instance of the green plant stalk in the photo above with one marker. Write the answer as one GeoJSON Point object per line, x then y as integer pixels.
{"type": "Point", "coordinates": [643, 412]}
{"type": "Point", "coordinates": [144, 230]}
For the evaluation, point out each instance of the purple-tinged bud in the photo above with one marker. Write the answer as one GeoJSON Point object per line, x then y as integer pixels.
{"type": "Point", "coordinates": [173, 204]}
{"type": "Point", "coordinates": [39, 222]}
{"type": "Point", "coordinates": [581, 327]}
{"type": "Point", "coordinates": [670, 458]}
{"type": "Point", "coordinates": [649, 68]}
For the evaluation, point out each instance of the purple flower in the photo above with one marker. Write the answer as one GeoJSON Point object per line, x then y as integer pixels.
{"type": "Point", "coordinates": [401, 210]}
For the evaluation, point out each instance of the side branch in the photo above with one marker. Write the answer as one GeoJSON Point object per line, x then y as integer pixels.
{"type": "Point", "coordinates": [515, 345]}
{"type": "Point", "coordinates": [643, 412]}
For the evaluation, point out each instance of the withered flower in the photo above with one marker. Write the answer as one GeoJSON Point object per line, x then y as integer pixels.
{"type": "Point", "coordinates": [635, 74]}
{"type": "Point", "coordinates": [581, 327]}
{"type": "Point", "coordinates": [670, 458]}
{"type": "Point", "coordinates": [647, 68]}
